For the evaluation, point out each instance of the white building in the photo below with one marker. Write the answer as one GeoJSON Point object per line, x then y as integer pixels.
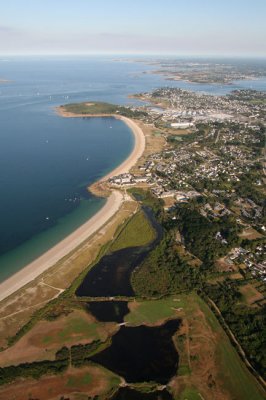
{"type": "Point", "coordinates": [182, 125]}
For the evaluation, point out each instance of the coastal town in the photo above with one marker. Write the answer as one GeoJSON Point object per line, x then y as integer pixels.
{"type": "Point", "coordinates": [182, 106]}
{"type": "Point", "coordinates": [213, 155]}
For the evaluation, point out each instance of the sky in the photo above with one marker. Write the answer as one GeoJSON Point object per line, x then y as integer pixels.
{"type": "Point", "coordinates": [178, 27]}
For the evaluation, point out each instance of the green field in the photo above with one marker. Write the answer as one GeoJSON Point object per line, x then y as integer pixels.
{"type": "Point", "coordinates": [153, 311]}
{"type": "Point", "coordinates": [78, 327]}
{"type": "Point", "coordinates": [232, 371]}
{"type": "Point", "coordinates": [190, 394]}
{"type": "Point", "coordinates": [210, 317]}
{"type": "Point", "coordinates": [183, 370]}
{"type": "Point", "coordinates": [79, 380]}
{"type": "Point", "coordinates": [136, 232]}
{"type": "Point", "coordinates": [237, 379]}
{"type": "Point", "coordinates": [72, 329]}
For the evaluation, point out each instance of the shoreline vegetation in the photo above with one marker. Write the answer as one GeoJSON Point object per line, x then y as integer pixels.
{"type": "Point", "coordinates": [115, 199]}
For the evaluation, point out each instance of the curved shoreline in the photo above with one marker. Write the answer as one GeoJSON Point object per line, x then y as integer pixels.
{"type": "Point", "coordinates": [139, 145]}
{"type": "Point", "coordinates": [138, 150]}
{"type": "Point", "coordinates": [72, 241]}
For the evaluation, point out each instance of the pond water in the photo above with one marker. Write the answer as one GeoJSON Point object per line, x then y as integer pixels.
{"type": "Point", "coordinates": [108, 311]}
{"type": "Point", "coordinates": [127, 393]}
{"type": "Point", "coordinates": [142, 353]}
{"type": "Point", "coordinates": [111, 275]}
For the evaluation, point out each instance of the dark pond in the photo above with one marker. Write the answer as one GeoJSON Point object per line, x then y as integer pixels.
{"type": "Point", "coordinates": [142, 353]}
{"type": "Point", "coordinates": [108, 311]}
{"type": "Point", "coordinates": [111, 275]}
{"type": "Point", "coordinates": [126, 393]}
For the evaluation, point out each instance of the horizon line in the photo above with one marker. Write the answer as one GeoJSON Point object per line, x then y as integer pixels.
{"type": "Point", "coordinates": [212, 55]}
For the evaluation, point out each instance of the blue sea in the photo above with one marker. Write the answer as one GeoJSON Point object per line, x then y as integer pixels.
{"type": "Point", "coordinates": [46, 161]}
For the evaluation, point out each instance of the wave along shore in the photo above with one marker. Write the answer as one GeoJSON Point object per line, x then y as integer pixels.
{"type": "Point", "coordinates": [72, 241]}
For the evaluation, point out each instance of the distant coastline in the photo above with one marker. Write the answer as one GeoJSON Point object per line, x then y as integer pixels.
{"type": "Point", "coordinates": [72, 241]}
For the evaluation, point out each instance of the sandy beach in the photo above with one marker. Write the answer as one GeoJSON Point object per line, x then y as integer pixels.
{"type": "Point", "coordinates": [138, 149]}
{"type": "Point", "coordinates": [112, 205]}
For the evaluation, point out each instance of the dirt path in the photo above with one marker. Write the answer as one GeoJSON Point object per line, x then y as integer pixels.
{"type": "Point", "coordinates": [29, 307]}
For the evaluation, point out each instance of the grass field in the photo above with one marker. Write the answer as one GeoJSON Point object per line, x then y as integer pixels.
{"type": "Point", "coordinates": [250, 294]}
{"type": "Point", "coordinates": [46, 337]}
{"type": "Point", "coordinates": [154, 311]}
{"type": "Point", "coordinates": [236, 377]}
{"type": "Point", "coordinates": [136, 232]}
{"type": "Point", "coordinates": [234, 374]}
{"type": "Point", "coordinates": [210, 317]}
{"type": "Point", "coordinates": [231, 370]}
{"type": "Point", "coordinates": [73, 327]}
{"type": "Point", "coordinates": [190, 394]}
{"type": "Point", "coordinates": [79, 380]}
{"type": "Point", "coordinates": [209, 366]}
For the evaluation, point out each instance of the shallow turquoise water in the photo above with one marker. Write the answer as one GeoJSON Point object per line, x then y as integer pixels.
{"type": "Point", "coordinates": [13, 260]}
